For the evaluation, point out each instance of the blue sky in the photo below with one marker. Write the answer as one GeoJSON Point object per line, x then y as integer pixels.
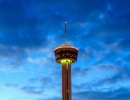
{"type": "Point", "coordinates": [30, 30]}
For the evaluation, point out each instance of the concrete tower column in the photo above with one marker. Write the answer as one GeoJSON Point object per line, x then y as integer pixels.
{"type": "Point", "coordinates": [66, 80]}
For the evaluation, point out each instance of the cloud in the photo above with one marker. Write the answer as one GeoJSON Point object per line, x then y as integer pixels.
{"type": "Point", "coordinates": [53, 98]}
{"type": "Point", "coordinates": [86, 54]}
{"type": "Point", "coordinates": [100, 68]}
{"type": "Point", "coordinates": [124, 45]}
{"type": "Point", "coordinates": [12, 58]}
{"type": "Point", "coordinates": [21, 27]}
{"type": "Point", "coordinates": [46, 86]}
{"type": "Point", "coordinates": [113, 84]}
{"type": "Point", "coordinates": [119, 94]}
{"type": "Point", "coordinates": [100, 77]}
{"type": "Point", "coordinates": [45, 82]}
{"type": "Point", "coordinates": [8, 85]}
{"type": "Point", "coordinates": [30, 31]}
{"type": "Point", "coordinates": [33, 27]}
{"type": "Point", "coordinates": [9, 66]}
{"type": "Point", "coordinates": [32, 90]}
{"type": "Point", "coordinates": [127, 58]}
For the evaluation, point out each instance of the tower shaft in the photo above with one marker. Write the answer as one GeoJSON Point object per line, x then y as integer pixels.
{"type": "Point", "coordinates": [66, 80]}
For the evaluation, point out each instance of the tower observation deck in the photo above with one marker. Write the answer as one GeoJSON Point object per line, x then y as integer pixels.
{"type": "Point", "coordinates": [66, 55]}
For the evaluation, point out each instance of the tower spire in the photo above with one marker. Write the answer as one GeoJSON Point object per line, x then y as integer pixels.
{"type": "Point", "coordinates": [66, 38]}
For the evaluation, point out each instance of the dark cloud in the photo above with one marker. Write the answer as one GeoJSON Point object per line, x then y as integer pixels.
{"type": "Point", "coordinates": [45, 82]}
{"type": "Point", "coordinates": [119, 94]}
{"type": "Point", "coordinates": [124, 44]}
{"type": "Point", "coordinates": [8, 85]}
{"type": "Point", "coordinates": [25, 18]}
{"type": "Point", "coordinates": [41, 86]}
{"type": "Point", "coordinates": [122, 75]}
{"type": "Point", "coordinates": [86, 54]}
{"type": "Point", "coordinates": [26, 27]}
{"type": "Point", "coordinates": [17, 28]}
{"type": "Point", "coordinates": [32, 90]}
{"type": "Point", "coordinates": [108, 56]}
{"type": "Point", "coordinates": [127, 58]}
{"type": "Point", "coordinates": [77, 71]}
{"type": "Point", "coordinates": [12, 58]}
{"type": "Point", "coordinates": [100, 77]}
{"type": "Point", "coordinates": [53, 98]}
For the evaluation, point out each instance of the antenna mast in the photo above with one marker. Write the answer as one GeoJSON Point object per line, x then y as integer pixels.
{"type": "Point", "coordinates": [66, 39]}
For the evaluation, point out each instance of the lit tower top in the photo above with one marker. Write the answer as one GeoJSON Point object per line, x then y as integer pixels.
{"type": "Point", "coordinates": [66, 55]}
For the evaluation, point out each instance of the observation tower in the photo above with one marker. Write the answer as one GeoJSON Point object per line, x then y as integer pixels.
{"type": "Point", "coordinates": [66, 55]}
